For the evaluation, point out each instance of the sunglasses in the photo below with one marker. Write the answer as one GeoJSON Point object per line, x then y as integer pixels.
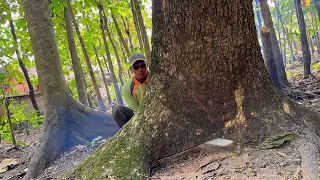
{"type": "Point", "coordinates": [141, 66]}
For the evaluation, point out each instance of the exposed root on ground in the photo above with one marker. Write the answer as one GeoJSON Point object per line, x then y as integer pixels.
{"type": "Point", "coordinates": [66, 127]}
{"type": "Point", "coordinates": [309, 149]}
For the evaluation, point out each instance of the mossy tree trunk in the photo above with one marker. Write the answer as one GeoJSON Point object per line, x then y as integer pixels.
{"type": "Point", "coordinates": [75, 59]}
{"type": "Point", "coordinates": [208, 80]}
{"type": "Point", "coordinates": [66, 121]}
{"type": "Point", "coordinates": [265, 10]}
{"type": "Point", "coordinates": [303, 39]}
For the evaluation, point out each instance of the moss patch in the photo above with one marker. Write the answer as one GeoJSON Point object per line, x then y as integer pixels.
{"type": "Point", "coordinates": [120, 158]}
{"type": "Point", "coordinates": [278, 140]}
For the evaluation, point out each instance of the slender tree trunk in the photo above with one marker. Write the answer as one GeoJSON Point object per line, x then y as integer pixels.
{"type": "Point", "coordinates": [120, 34]}
{"type": "Point", "coordinates": [285, 55]}
{"type": "Point", "coordinates": [278, 29]}
{"type": "Point", "coordinates": [86, 89]}
{"type": "Point", "coordinates": [134, 16]}
{"type": "Point", "coordinates": [304, 39]}
{"type": "Point", "coordinates": [125, 61]}
{"type": "Point", "coordinates": [6, 102]}
{"type": "Point", "coordinates": [292, 37]}
{"type": "Point", "coordinates": [268, 56]}
{"type": "Point", "coordinates": [143, 30]}
{"type": "Point", "coordinates": [316, 34]}
{"type": "Point", "coordinates": [75, 59]}
{"type": "Point", "coordinates": [86, 56]}
{"type": "Point", "coordinates": [275, 47]}
{"type": "Point", "coordinates": [317, 4]}
{"type": "Point", "coordinates": [103, 76]}
{"type": "Point", "coordinates": [258, 15]}
{"type": "Point", "coordinates": [127, 30]}
{"type": "Point", "coordinates": [114, 47]}
{"type": "Point", "coordinates": [226, 92]}
{"type": "Point", "coordinates": [310, 43]}
{"type": "Point", "coordinates": [113, 76]}
{"type": "Point", "coordinates": [66, 121]}
{"type": "Point", "coordinates": [285, 33]}
{"type": "Point", "coordinates": [24, 69]}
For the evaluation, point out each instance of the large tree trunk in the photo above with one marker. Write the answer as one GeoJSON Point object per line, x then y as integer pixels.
{"type": "Point", "coordinates": [208, 81]}
{"type": "Point", "coordinates": [275, 47]}
{"type": "Point", "coordinates": [143, 30]}
{"type": "Point", "coordinates": [76, 66]}
{"type": "Point", "coordinates": [112, 73]}
{"type": "Point", "coordinates": [303, 39]}
{"type": "Point", "coordinates": [24, 70]}
{"type": "Point", "coordinates": [67, 122]}
{"type": "Point", "coordinates": [86, 57]}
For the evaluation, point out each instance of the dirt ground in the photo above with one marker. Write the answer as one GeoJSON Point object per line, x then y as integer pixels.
{"type": "Point", "coordinates": [202, 162]}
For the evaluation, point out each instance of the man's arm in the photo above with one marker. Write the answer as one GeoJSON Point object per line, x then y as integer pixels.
{"type": "Point", "coordinates": [129, 98]}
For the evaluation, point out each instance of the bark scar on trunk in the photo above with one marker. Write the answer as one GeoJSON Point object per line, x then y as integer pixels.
{"type": "Point", "coordinates": [239, 122]}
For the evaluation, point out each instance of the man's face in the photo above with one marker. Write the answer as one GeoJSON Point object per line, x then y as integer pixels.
{"type": "Point", "coordinates": [139, 69]}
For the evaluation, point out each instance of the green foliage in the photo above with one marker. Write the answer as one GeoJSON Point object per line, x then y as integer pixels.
{"type": "Point", "coordinates": [20, 118]}
{"type": "Point", "coordinates": [316, 66]}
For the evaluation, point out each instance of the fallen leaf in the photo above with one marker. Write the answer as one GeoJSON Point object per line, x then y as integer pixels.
{"type": "Point", "coordinates": [7, 162]}
{"type": "Point", "coordinates": [282, 154]}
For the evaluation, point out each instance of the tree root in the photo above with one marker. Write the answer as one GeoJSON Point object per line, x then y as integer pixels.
{"type": "Point", "coordinates": [309, 150]}
{"type": "Point", "coordinates": [66, 127]}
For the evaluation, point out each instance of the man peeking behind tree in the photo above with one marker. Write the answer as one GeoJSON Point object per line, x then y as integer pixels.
{"type": "Point", "coordinates": [133, 90]}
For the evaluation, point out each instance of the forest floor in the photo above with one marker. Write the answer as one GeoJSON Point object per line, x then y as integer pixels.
{"type": "Point", "coordinates": [202, 162]}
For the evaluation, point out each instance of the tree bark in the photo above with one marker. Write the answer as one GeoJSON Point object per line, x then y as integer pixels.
{"type": "Point", "coordinates": [103, 76]}
{"type": "Point", "coordinates": [265, 10]}
{"type": "Point", "coordinates": [86, 56]}
{"type": "Point", "coordinates": [24, 69]}
{"type": "Point", "coordinates": [75, 59]}
{"type": "Point", "coordinates": [304, 40]}
{"type": "Point", "coordinates": [268, 57]}
{"type": "Point", "coordinates": [112, 74]}
{"type": "Point", "coordinates": [143, 30]}
{"type": "Point", "coordinates": [208, 80]}
{"type": "Point", "coordinates": [66, 121]}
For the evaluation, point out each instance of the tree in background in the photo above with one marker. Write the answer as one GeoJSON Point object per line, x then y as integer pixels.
{"type": "Point", "coordinates": [265, 10]}
{"type": "Point", "coordinates": [303, 39]}
{"type": "Point", "coordinates": [67, 122]}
